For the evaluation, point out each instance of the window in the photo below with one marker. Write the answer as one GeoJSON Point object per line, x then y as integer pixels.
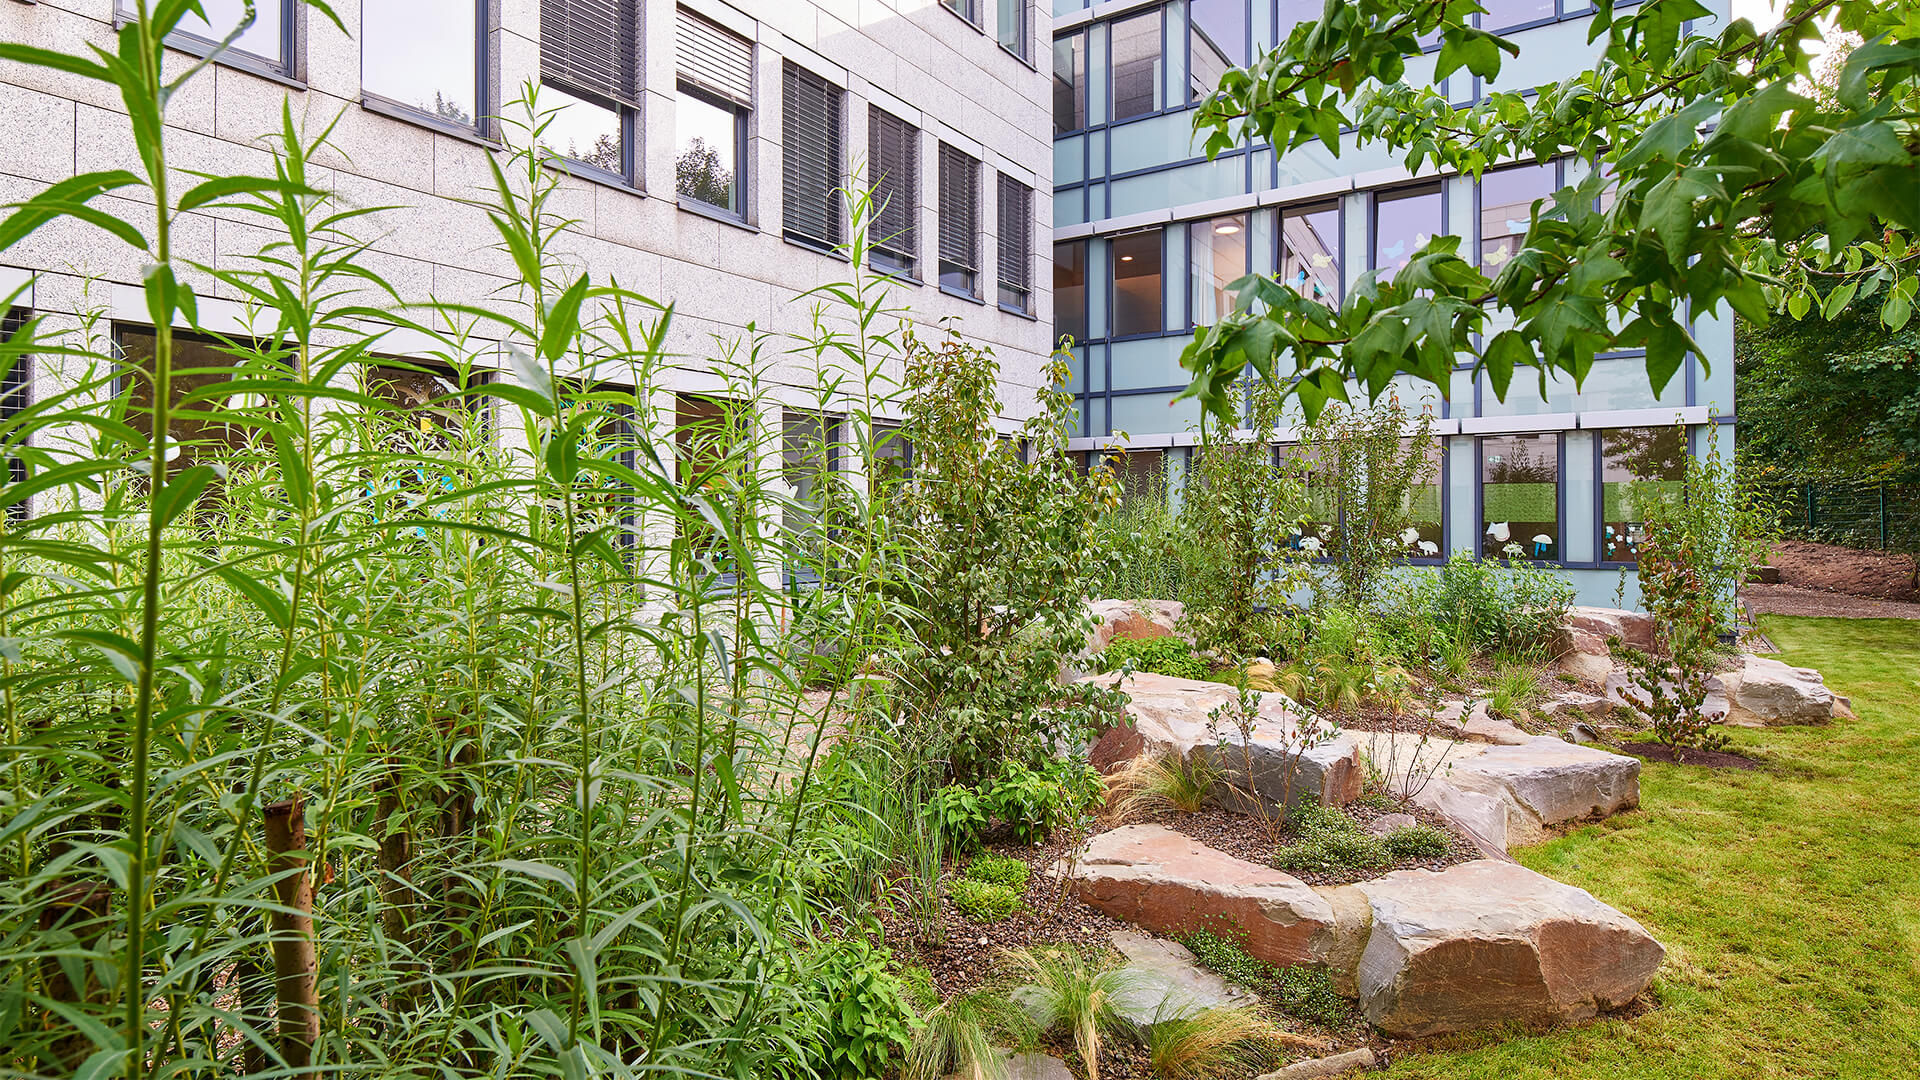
{"type": "Point", "coordinates": [1291, 13]}
{"type": "Point", "coordinates": [1504, 14]}
{"type": "Point", "coordinates": [810, 155]}
{"type": "Point", "coordinates": [1142, 475]}
{"type": "Point", "coordinates": [1220, 41]}
{"type": "Point", "coordinates": [1423, 538]}
{"type": "Point", "coordinates": [1012, 27]}
{"type": "Point", "coordinates": [1016, 245]}
{"type": "Point", "coordinates": [268, 42]}
{"type": "Point", "coordinates": [1305, 463]}
{"type": "Point", "coordinates": [1070, 290]}
{"type": "Point", "coordinates": [1636, 463]}
{"type": "Point", "coordinates": [716, 94]}
{"type": "Point", "coordinates": [1219, 259]}
{"type": "Point", "coordinates": [966, 9]}
{"type": "Point", "coordinates": [809, 464]}
{"type": "Point", "coordinates": [1506, 208]}
{"type": "Point", "coordinates": [959, 221]}
{"type": "Point", "coordinates": [433, 408]}
{"type": "Point", "coordinates": [1310, 251]}
{"type": "Point", "coordinates": [1069, 83]}
{"type": "Point", "coordinates": [1403, 222]}
{"type": "Point", "coordinates": [424, 56]}
{"type": "Point", "coordinates": [1135, 42]}
{"type": "Point", "coordinates": [204, 427]}
{"type": "Point", "coordinates": [589, 71]}
{"type": "Point", "coordinates": [1520, 497]}
{"type": "Point", "coordinates": [16, 383]}
{"type": "Point", "coordinates": [893, 229]}
{"type": "Point", "coordinates": [605, 414]}
{"type": "Point", "coordinates": [710, 436]}
{"type": "Point", "coordinates": [1139, 305]}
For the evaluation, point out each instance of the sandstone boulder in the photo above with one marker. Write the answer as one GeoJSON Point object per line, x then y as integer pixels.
{"type": "Point", "coordinates": [1165, 982]}
{"type": "Point", "coordinates": [1139, 619]}
{"type": "Point", "coordinates": [1633, 627]}
{"type": "Point", "coordinates": [1155, 878]}
{"type": "Point", "coordinates": [1572, 706]}
{"type": "Point", "coordinates": [1477, 725]}
{"type": "Point", "coordinates": [1547, 781]}
{"type": "Point", "coordinates": [1763, 692]}
{"type": "Point", "coordinates": [1172, 716]}
{"type": "Point", "coordinates": [1487, 942]}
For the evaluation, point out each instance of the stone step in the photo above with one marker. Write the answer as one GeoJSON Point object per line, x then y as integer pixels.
{"type": "Point", "coordinates": [1507, 794]}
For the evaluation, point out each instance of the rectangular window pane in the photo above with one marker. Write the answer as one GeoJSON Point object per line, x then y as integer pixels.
{"type": "Point", "coordinates": [1070, 83]}
{"type": "Point", "coordinates": [1310, 251]}
{"type": "Point", "coordinates": [706, 161]}
{"type": "Point", "coordinates": [1403, 223]}
{"type": "Point", "coordinates": [440, 415]}
{"type": "Point", "coordinates": [593, 46]}
{"type": "Point", "coordinates": [810, 157]}
{"type": "Point", "coordinates": [1220, 41]}
{"type": "Point", "coordinates": [1016, 244]}
{"type": "Point", "coordinates": [1012, 26]}
{"type": "Point", "coordinates": [959, 221]}
{"type": "Point", "coordinates": [266, 38]}
{"type": "Point", "coordinates": [1143, 476]}
{"type": "Point", "coordinates": [1506, 206]}
{"type": "Point", "coordinates": [200, 429]}
{"type": "Point", "coordinates": [1423, 538]}
{"type": "Point", "coordinates": [581, 130]}
{"type": "Point", "coordinates": [1501, 14]}
{"type": "Point", "coordinates": [1136, 65]}
{"type": "Point", "coordinates": [16, 389]}
{"type": "Point", "coordinates": [1070, 290]}
{"type": "Point", "coordinates": [966, 9]}
{"type": "Point", "coordinates": [1139, 304]}
{"type": "Point", "coordinates": [422, 54]}
{"type": "Point", "coordinates": [1636, 463]}
{"type": "Point", "coordinates": [809, 460]}
{"type": "Point", "coordinates": [1292, 13]}
{"type": "Point", "coordinates": [893, 157]}
{"type": "Point", "coordinates": [1520, 497]}
{"type": "Point", "coordinates": [1219, 258]}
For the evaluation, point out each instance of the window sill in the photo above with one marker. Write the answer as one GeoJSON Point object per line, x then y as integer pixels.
{"type": "Point", "coordinates": [963, 295]}
{"type": "Point", "coordinates": [903, 277]}
{"type": "Point", "coordinates": [980, 27]}
{"type": "Point", "coordinates": [592, 174]}
{"type": "Point", "coordinates": [1023, 60]}
{"type": "Point", "coordinates": [408, 114]}
{"type": "Point", "coordinates": [832, 253]}
{"type": "Point", "coordinates": [234, 59]}
{"type": "Point", "coordinates": [1020, 312]}
{"type": "Point", "coordinates": [714, 213]}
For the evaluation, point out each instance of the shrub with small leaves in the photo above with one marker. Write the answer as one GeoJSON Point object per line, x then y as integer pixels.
{"type": "Point", "coordinates": [983, 901]}
{"type": "Point", "coordinates": [1170, 656]}
{"type": "Point", "coordinates": [1327, 852]}
{"type": "Point", "coordinates": [1418, 842]}
{"type": "Point", "coordinates": [1306, 993]}
{"type": "Point", "coordinates": [999, 870]}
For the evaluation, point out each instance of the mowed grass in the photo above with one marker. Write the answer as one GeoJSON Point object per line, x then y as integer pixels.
{"type": "Point", "coordinates": [1788, 899]}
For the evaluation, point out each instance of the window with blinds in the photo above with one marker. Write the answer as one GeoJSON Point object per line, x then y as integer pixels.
{"type": "Point", "coordinates": [15, 386]}
{"type": "Point", "coordinates": [893, 158]}
{"type": "Point", "coordinates": [1016, 245]}
{"type": "Point", "coordinates": [959, 221]}
{"type": "Point", "coordinates": [593, 46]}
{"type": "Point", "coordinates": [715, 80]}
{"type": "Point", "coordinates": [810, 128]}
{"type": "Point", "coordinates": [715, 60]}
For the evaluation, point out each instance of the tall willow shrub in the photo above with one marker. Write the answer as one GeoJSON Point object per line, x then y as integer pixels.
{"type": "Point", "coordinates": [453, 739]}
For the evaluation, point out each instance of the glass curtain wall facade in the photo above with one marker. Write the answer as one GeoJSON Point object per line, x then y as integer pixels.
{"type": "Point", "coordinates": [1149, 236]}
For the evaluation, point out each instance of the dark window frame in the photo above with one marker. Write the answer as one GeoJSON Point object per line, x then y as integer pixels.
{"type": "Point", "coordinates": [289, 68]}
{"type": "Point", "coordinates": [740, 144]}
{"type": "Point", "coordinates": [1024, 53]}
{"type": "Point", "coordinates": [1560, 498]}
{"type": "Point", "coordinates": [951, 262]}
{"type": "Point", "coordinates": [16, 397]}
{"type": "Point", "coordinates": [1114, 258]}
{"type": "Point", "coordinates": [1020, 289]}
{"type": "Point", "coordinates": [893, 251]}
{"type": "Point", "coordinates": [485, 125]}
{"type": "Point", "coordinates": [1303, 209]}
{"type": "Point", "coordinates": [833, 215]}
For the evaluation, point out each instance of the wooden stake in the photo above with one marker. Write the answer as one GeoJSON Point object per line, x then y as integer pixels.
{"type": "Point", "coordinates": [295, 964]}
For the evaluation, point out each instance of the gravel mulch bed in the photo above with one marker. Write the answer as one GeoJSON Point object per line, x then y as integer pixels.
{"type": "Point", "coordinates": [1244, 837]}
{"type": "Point", "coordinates": [1794, 600]}
{"type": "Point", "coordinates": [1706, 759]}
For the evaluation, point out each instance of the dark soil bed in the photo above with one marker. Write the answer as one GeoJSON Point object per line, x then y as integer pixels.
{"type": "Point", "coordinates": [1710, 759]}
{"type": "Point", "coordinates": [1245, 837]}
{"type": "Point", "coordinates": [1883, 575]}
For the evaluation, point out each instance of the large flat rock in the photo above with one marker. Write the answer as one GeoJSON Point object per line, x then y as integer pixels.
{"type": "Point", "coordinates": [1764, 692]}
{"type": "Point", "coordinates": [1488, 942]}
{"type": "Point", "coordinates": [1174, 716]}
{"type": "Point", "coordinates": [1547, 781]}
{"type": "Point", "coordinates": [1157, 879]}
{"type": "Point", "coordinates": [1165, 982]}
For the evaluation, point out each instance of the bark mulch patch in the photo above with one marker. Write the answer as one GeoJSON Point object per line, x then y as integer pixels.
{"type": "Point", "coordinates": [1710, 759]}
{"type": "Point", "coordinates": [1884, 575]}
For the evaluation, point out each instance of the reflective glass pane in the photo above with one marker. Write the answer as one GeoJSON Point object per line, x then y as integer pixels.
{"type": "Point", "coordinates": [1403, 223]}
{"type": "Point", "coordinates": [706, 158]}
{"type": "Point", "coordinates": [1219, 35]}
{"type": "Point", "coordinates": [1138, 301]}
{"type": "Point", "coordinates": [422, 54]}
{"type": "Point", "coordinates": [1011, 26]}
{"type": "Point", "coordinates": [1070, 290]}
{"type": "Point", "coordinates": [1310, 251]}
{"type": "Point", "coordinates": [1069, 84]}
{"type": "Point", "coordinates": [1219, 258]}
{"type": "Point", "coordinates": [1506, 206]}
{"type": "Point", "coordinates": [1501, 14]}
{"type": "Point", "coordinates": [1636, 464]}
{"type": "Point", "coordinates": [263, 39]}
{"type": "Point", "coordinates": [1136, 65]}
{"type": "Point", "coordinates": [582, 130]}
{"type": "Point", "coordinates": [1520, 497]}
{"type": "Point", "coordinates": [1422, 539]}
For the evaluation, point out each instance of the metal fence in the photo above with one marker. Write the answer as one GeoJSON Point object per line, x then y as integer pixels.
{"type": "Point", "coordinates": [1861, 515]}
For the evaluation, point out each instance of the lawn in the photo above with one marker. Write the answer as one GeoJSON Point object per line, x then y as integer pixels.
{"type": "Point", "coordinates": [1788, 899]}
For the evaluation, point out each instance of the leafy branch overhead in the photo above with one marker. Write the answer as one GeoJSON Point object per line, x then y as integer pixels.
{"type": "Point", "coordinates": [1719, 184]}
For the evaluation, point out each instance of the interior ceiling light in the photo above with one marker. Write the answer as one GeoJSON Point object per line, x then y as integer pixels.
{"type": "Point", "coordinates": [1227, 229]}
{"type": "Point", "coordinates": [1126, 258]}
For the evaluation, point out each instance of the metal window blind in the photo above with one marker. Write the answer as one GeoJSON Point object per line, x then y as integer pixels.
{"type": "Point", "coordinates": [1016, 242]}
{"type": "Point", "coordinates": [593, 45]}
{"type": "Point", "coordinates": [810, 156]}
{"type": "Point", "coordinates": [959, 217]}
{"type": "Point", "coordinates": [15, 387]}
{"type": "Point", "coordinates": [716, 60]}
{"type": "Point", "coordinates": [893, 155]}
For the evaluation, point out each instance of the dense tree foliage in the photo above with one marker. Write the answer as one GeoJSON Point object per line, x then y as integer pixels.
{"type": "Point", "coordinates": [1730, 188]}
